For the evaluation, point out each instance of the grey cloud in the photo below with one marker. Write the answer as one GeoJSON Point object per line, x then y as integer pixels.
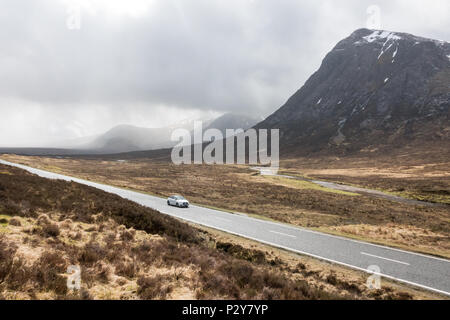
{"type": "Point", "coordinates": [223, 56]}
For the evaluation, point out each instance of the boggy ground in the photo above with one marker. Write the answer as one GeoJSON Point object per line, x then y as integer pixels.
{"type": "Point", "coordinates": [239, 189]}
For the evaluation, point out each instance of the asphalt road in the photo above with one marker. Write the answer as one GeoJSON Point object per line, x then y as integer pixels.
{"type": "Point", "coordinates": [419, 270]}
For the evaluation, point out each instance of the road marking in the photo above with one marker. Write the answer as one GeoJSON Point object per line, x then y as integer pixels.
{"type": "Point", "coordinates": [223, 219]}
{"type": "Point", "coordinates": [283, 234]}
{"type": "Point", "coordinates": [396, 261]}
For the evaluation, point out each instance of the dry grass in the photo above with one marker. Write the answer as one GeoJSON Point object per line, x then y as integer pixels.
{"type": "Point", "coordinates": [130, 252]}
{"type": "Point", "coordinates": [317, 272]}
{"type": "Point", "coordinates": [238, 189]}
{"type": "Point", "coordinates": [414, 176]}
{"type": "Point", "coordinates": [301, 185]}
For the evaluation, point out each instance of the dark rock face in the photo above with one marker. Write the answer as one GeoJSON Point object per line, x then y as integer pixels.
{"type": "Point", "coordinates": [373, 88]}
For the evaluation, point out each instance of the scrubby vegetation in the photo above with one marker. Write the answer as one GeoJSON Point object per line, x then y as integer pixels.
{"type": "Point", "coordinates": [127, 251]}
{"type": "Point", "coordinates": [408, 226]}
{"type": "Point", "coordinates": [24, 196]}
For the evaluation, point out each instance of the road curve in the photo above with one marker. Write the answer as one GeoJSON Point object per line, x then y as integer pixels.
{"type": "Point", "coordinates": [415, 269]}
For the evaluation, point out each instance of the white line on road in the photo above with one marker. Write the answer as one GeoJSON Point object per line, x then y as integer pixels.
{"type": "Point", "coordinates": [226, 220]}
{"type": "Point", "coordinates": [396, 261]}
{"type": "Point", "coordinates": [283, 234]}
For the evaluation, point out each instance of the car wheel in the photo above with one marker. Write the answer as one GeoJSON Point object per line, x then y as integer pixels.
{"type": "Point", "coordinates": [168, 202]}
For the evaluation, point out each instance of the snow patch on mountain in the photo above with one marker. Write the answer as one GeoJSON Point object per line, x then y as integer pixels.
{"type": "Point", "coordinates": [379, 34]}
{"type": "Point", "coordinates": [395, 52]}
{"type": "Point", "coordinates": [377, 97]}
{"type": "Point", "coordinates": [388, 37]}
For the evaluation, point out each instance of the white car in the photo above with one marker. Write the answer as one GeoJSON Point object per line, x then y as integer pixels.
{"type": "Point", "coordinates": [178, 201]}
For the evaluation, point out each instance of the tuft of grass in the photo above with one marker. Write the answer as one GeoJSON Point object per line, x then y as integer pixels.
{"type": "Point", "coordinates": [157, 287]}
{"type": "Point", "coordinates": [51, 230]}
{"type": "Point", "coordinates": [4, 220]}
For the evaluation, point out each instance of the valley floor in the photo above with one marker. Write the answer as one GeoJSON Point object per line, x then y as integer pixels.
{"type": "Point", "coordinates": [420, 228]}
{"type": "Point", "coordinates": [238, 189]}
{"type": "Point", "coordinates": [126, 251]}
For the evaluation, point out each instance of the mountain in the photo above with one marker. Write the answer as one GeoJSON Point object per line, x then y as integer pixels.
{"type": "Point", "coordinates": [126, 138]}
{"type": "Point", "coordinates": [375, 88]}
{"type": "Point", "coordinates": [232, 121]}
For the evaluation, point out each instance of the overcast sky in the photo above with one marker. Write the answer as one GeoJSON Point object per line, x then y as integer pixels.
{"type": "Point", "coordinates": [155, 62]}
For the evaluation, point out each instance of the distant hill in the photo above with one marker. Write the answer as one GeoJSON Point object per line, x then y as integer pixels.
{"type": "Point", "coordinates": [128, 138]}
{"type": "Point", "coordinates": [125, 138]}
{"type": "Point", "coordinates": [233, 121]}
{"type": "Point", "coordinates": [43, 151]}
{"type": "Point", "coordinates": [374, 89]}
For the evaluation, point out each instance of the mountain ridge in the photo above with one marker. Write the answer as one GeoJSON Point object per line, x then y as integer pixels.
{"type": "Point", "coordinates": [374, 87]}
{"type": "Point", "coordinates": [128, 138]}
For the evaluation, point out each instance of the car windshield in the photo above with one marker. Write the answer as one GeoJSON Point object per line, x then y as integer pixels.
{"type": "Point", "coordinates": [179, 198]}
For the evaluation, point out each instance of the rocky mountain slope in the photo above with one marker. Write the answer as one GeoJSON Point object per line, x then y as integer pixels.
{"type": "Point", "coordinates": [375, 88]}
